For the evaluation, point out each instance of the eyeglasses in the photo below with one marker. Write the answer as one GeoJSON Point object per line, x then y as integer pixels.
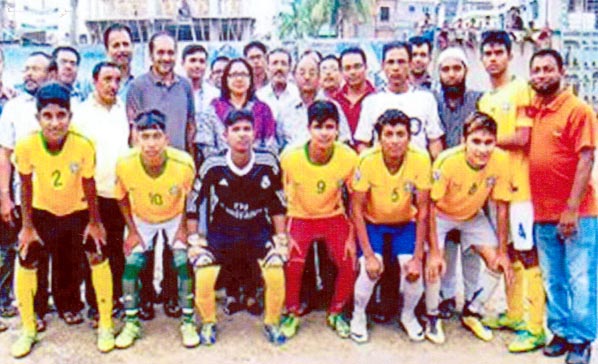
{"type": "Point", "coordinates": [238, 75]}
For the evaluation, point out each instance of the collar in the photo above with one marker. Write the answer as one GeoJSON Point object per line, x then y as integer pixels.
{"type": "Point", "coordinates": [556, 103]}
{"type": "Point", "coordinates": [95, 103]}
{"type": "Point", "coordinates": [369, 89]}
{"type": "Point", "coordinates": [236, 170]}
{"type": "Point", "coordinates": [158, 81]}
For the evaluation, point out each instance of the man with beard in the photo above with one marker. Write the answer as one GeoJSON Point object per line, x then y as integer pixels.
{"type": "Point", "coordinates": [279, 91]}
{"type": "Point", "coordinates": [119, 48]}
{"type": "Point", "coordinates": [421, 49]}
{"type": "Point", "coordinates": [17, 121]}
{"type": "Point", "coordinates": [171, 94]}
{"type": "Point", "coordinates": [561, 157]}
{"type": "Point", "coordinates": [507, 103]}
{"type": "Point", "coordinates": [455, 103]}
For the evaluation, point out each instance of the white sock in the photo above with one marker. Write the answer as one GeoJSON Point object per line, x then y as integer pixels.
{"type": "Point", "coordinates": [411, 291]}
{"type": "Point", "coordinates": [432, 297]}
{"type": "Point", "coordinates": [471, 264]}
{"type": "Point", "coordinates": [364, 287]}
{"type": "Point", "coordinates": [488, 283]}
{"type": "Point", "coordinates": [449, 279]}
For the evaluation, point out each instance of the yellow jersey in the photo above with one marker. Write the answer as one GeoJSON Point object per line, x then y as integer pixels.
{"type": "Point", "coordinates": [315, 191]}
{"type": "Point", "coordinates": [507, 106]}
{"type": "Point", "coordinates": [460, 191]}
{"type": "Point", "coordinates": [57, 177]}
{"type": "Point", "coordinates": [155, 199]}
{"type": "Point", "coordinates": [390, 196]}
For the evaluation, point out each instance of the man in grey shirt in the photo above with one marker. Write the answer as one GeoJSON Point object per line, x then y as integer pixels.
{"type": "Point", "coordinates": [160, 88]}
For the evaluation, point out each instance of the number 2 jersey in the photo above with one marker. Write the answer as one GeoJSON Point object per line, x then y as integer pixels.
{"type": "Point", "coordinates": [155, 199]}
{"type": "Point", "coordinates": [57, 177]}
{"type": "Point", "coordinates": [229, 200]}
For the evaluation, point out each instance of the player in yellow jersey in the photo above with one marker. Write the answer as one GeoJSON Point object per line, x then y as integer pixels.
{"type": "Point", "coordinates": [314, 176]}
{"type": "Point", "coordinates": [152, 185]}
{"type": "Point", "coordinates": [507, 103]}
{"type": "Point", "coordinates": [465, 178]}
{"type": "Point", "coordinates": [390, 200]}
{"type": "Point", "coordinates": [60, 213]}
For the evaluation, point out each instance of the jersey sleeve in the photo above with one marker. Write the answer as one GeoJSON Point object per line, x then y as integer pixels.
{"type": "Point", "coordinates": [423, 179]}
{"type": "Point", "coordinates": [361, 182]}
{"type": "Point", "coordinates": [278, 204]}
{"type": "Point", "coordinates": [440, 180]}
{"type": "Point", "coordinates": [524, 100]}
{"type": "Point", "coordinates": [352, 160]}
{"type": "Point", "coordinates": [22, 159]}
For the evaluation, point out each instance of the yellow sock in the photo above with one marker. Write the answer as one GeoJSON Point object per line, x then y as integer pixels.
{"type": "Point", "coordinates": [536, 298]}
{"type": "Point", "coordinates": [205, 296]}
{"type": "Point", "coordinates": [515, 294]}
{"type": "Point", "coordinates": [25, 288]}
{"type": "Point", "coordinates": [274, 294]}
{"type": "Point", "coordinates": [101, 278]}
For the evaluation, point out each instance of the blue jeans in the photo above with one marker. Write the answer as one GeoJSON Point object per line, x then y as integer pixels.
{"type": "Point", "coordinates": [569, 269]}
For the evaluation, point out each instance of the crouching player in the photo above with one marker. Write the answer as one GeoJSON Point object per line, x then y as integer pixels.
{"type": "Point", "coordinates": [464, 179]}
{"type": "Point", "coordinates": [60, 212]}
{"type": "Point", "coordinates": [391, 188]}
{"type": "Point", "coordinates": [314, 175]}
{"type": "Point", "coordinates": [237, 194]}
{"type": "Point", "coordinates": [152, 185]}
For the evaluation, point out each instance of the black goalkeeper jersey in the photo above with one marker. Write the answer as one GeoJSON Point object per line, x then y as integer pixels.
{"type": "Point", "coordinates": [228, 199]}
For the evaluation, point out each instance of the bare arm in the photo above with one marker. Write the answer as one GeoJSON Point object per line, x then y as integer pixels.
{"type": "Point", "coordinates": [502, 225]}
{"type": "Point", "coordinates": [517, 140]}
{"type": "Point", "coordinates": [6, 203]}
{"type": "Point", "coordinates": [358, 203]}
{"type": "Point", "coordinates": [422, 222]}
{"type": "Point", "coordinates": [89, 189]}
{"type": "Point", "coordinates": [435, 147]}
{"type": "Point", "coordinates": [568, 222]}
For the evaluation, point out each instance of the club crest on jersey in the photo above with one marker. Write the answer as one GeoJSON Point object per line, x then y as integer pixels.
{"type": "Point", "coordinates": [340, 183]}
{"type": "Point", "coordinates": [473, 189]}
{"type": "Point", "coordinates": [409, 187]}
{"type": "Point", "coordinates": [506, 106]}
{"type": "Point", "coordinates": [174, 190]}
{"type": "Point", "coordinates": [491, 181]}
{"type": "Point", "coordinates": [357, 176]}
{"type": "Point", "coordinates": [436, 175]}
{"type": "Point", "coordinates": [223, 182]}
{"type": "Point", "coordinates": [74, 167]}
{"type": "Point", "coordinates": [265, 182]}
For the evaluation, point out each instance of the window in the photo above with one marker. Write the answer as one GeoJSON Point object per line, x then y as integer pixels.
{"type": "Point", "coordinates": [384, 13]}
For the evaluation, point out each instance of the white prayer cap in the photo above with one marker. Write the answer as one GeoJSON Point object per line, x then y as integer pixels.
{"type": "Point", "coordinates": [452, 52]}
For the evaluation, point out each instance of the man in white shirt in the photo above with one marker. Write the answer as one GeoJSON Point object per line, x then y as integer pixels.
{"type": "Point", "coordinates": [195, 63]}
{"type": "Point", "coordinates": [103, 119]}
{"type": "Point", "coordinates": [420, 105]}
{"type": "Point", "coordinates": [279, 91]}
{"type": "Point", "coordinates": [292, 121]}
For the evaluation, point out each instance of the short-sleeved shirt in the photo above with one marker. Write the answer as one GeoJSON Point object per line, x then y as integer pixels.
{"type": "Point", "coordinates": [238, 200]}
{"type": "Point", "coordinates": [276, 103]}
{"type": "Point", "coordinates": [292, 124]}
{"type": "Point", "coordinates": [420, 105]}
{"type": "Point", "coordinates": [148, 92]}
{"type": "Point", "coordinates": [507, 105]}
{"type": "Point", "coordinates": [155, 199]}
{"type": "Point", "coordinates": [108, 129]}
{"type": "Point", "coordinates": [460, 191]}
{"type": "Point", "coordinates": [561, 130]}
{"type": "Point", "coordinates": [452, 119]}
{"type": "Point", "coordinates": [315, 190]}
{"type": "Point", "coordinates": [390, 196]}
{"type": "Point", "coordinates": [57, 177]}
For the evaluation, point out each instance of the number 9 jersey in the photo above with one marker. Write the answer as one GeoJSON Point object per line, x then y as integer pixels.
{"type": "Point", "coordinates": [155, 199]}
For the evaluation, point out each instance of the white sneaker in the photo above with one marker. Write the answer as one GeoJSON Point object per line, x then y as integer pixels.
{"type": "Point", "coordinates": [434, 331]}
{"type": "Point", "coordinates": [359, 329]}
{"type": "Point", "coordinates": [413, 329]}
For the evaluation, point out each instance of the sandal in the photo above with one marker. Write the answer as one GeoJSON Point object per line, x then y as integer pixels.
{"type": "Point", "coordinates": [3, 326]}
{"type": "Point", "coordinates": [72, 318]}
{"type": "Point", "coordinates": [40, 324]}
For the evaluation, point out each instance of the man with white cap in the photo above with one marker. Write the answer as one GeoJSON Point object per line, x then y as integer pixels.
{"type": "Point", "coordinates": [455, 103]}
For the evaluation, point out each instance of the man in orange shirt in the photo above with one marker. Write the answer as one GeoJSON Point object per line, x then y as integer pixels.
{"type": "Point", "coordinates": [561, 158]}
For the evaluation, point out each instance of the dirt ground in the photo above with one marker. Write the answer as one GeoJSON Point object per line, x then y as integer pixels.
{"type": "Point", "coordinates": [240, 340]}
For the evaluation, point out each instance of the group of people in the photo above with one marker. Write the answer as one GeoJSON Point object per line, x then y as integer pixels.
{"type": "Point", "coordinates": [237, 175]}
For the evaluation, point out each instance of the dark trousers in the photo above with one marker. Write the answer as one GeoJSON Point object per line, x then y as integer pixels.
{"type": "Point", "coordinates": [62, 237]}
{"type": "Point", "coordinates": [114, 224]}
{"type": "Point", "coordinates": [8, 243]}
